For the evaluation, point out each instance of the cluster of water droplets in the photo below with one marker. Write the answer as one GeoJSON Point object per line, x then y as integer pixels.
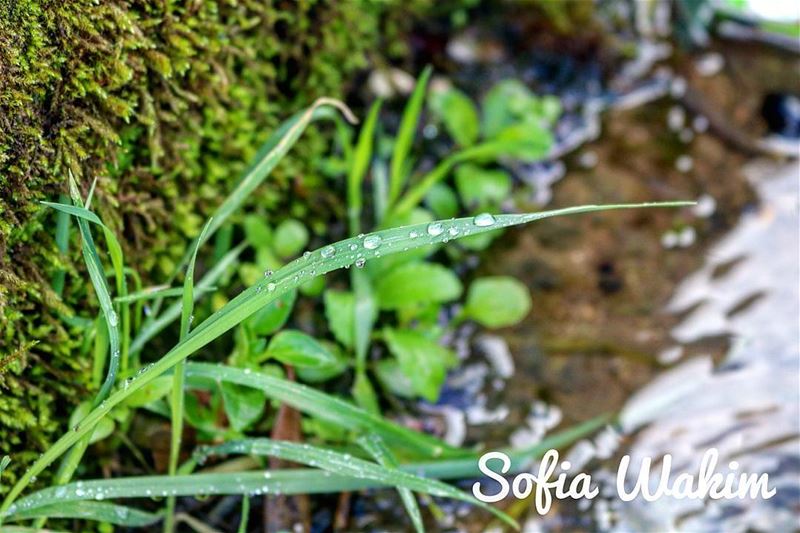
{"type": "Point", "coordinates": [358, 250]}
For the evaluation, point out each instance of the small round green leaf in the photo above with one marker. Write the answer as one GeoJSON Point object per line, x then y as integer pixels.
{"type": "Point", "coordinates": [482, 188]}
{"type": "Point", "coordinates": [423, 361]}
{"type": "Point", "coordinates": [290, 237]}
{"type": "Point", "coordinates": [416, 283]}
{"type": "Point", "coordinates": [339, 312]}
{"type": "Point", "coordinates": [497, 301]}
{"type": "Point", "coordinates": [295, 348]}
{"type": "Point", "coordinates": [243, 405]}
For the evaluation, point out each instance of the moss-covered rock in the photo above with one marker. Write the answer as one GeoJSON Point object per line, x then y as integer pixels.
{"type": "Point", "coordinates": [164, 102]}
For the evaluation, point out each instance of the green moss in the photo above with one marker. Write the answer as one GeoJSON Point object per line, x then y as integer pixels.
{"type": "Point", "coordinates": [164, 102]}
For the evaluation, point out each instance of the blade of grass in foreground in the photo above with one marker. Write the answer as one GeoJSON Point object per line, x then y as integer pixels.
{"type": "Point", "coordinates": [346, 465]}
{"type": "Point", "coordinates": [328, 408]}
{"type": "Point", "coordinates": [288, 481]}
{"type": "Point", "coordinates": [356, 250]}
{"type": "Point", "coordinates": [178, 377]}
{"type": "Point", "coordinates": [98, 279]}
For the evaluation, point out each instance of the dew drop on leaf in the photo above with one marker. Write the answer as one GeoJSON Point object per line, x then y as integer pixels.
{"type": "Point", "coordinates": [483, 220]}
{"type": "Point", "coordinates": [328, 252]}
{"type": "Point", "coordinates": [435, 229]}
{"type": "Point", "coordinates": [372, 242]}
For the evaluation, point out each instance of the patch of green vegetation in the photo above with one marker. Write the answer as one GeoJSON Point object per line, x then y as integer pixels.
{"type": "Point", "coordinates": [163, 102]}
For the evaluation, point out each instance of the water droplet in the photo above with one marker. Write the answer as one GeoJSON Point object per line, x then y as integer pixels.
{"type": "Point", "coordinates": [113, 320]}
{"type": "Point", "coordinates": [453, 231]}
{"type": "Point", "coordinates": [328, 252]}
{"type": "Point", "coordinates": [413, 235]}
{"type": "Point", "coordinates": [435, 229]}
{"type": "Point", "coordinates": [306, 254]}
{"type": "Point", "coordinates": [267, 273]}
{"type": "Point", "coordinates": [360, 262]}
{"type": "Point", "coordinates": [270, 287]}
{"type": "Point", "coordinates": [372, 242]}
{"type": "Point", "coordinates": [483, 220]}
{"type": "Point", "coordinates": [353, 247]}
{"type": "Point", "coordinates": [191, 319]}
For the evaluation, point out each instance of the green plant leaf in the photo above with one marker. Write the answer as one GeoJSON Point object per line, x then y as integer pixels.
{"type": "Point", "coordinates": [339, 310]}
{"type": "Point", "coordinates": [324, 373]}
{"type": "Point", "coordinates": [345, 253]}
{"type": "Point", "coordinates": [423, 361]}
{"type": "Point", "coordinates": [257, 232]}
{"type": "Point", "coordinates": [393, 379]}
{"type": "Point", "coordinates": [405, 136]}
{"type": "Point", "coordinates": [506, 103]}
{"type": "Point", "coordinates": [482, 188]}
{"type": "Point", "coordinates": [525, 141]}
{"type": "Point", "coordinates": [364, 394]}
{"type": "Point", "coordinates": [201, 415]}
{"type": "Point", "coordinates": [459, 114]}
{"type": "Point", "coordinates": [296, 348]}
{"type": "Point", "coordinates": [290, 238]}
{"type": "Point", "coordinates": [416, 283]}
{"type": "Point", "coordinates": [243, 405]}
{"type": "Point", "coordinates": [497, 301]}
{"type": "Point", "coordinates": [274, 315]}
{"type": "Point", "coordinates": [442, 201]}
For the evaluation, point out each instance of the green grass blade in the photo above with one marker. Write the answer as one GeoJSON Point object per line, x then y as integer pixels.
{"type": "Point", "coordinates": [98, 279]}
{"type": "Point", "coordinates": [412, 198]}
{"type": "Point", "coordinates": [405, 136]}
{"type": "Point", "coordinates": [358, 167]}
{"type": "Point", "coordinates": [150, 330]}
{"type": "Point", "coordinates": [374, 446]}
{"type": "Point", "coordinates": [325, 407]}
{"type": "Point", "coordinates": [346, 465]}
{"type": "Point", "coordinates": [331, 257]}
{"type": "Point", "coordinates": [158, 291]}
{"type": "Point", "coordinates": [111, 513]}
{"type": "Point", "coordinates": [244, 514]}
{"type": "Point", "coordinates": [62, 244]}
{"type": "Point", "coordinates": [178, 377]}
